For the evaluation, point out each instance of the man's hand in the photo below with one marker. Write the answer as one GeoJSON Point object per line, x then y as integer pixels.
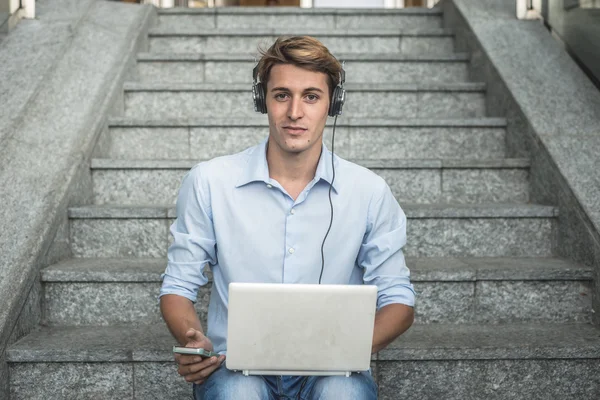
{"type": "Point", "coordinates": [195, 368]}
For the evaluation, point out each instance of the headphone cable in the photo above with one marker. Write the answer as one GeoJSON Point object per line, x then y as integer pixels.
{"type": "Point", "coordinates": [330, 202]}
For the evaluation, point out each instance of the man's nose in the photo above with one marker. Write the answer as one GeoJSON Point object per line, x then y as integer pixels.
{"type": "Point", "coordinates": [295, 109]}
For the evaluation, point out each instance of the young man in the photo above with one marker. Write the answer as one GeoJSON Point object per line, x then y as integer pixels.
{"type": "Point", "coordinates": [261, 215]}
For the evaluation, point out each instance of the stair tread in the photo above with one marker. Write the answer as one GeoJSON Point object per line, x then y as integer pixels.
{"type": "Point", "coordinates": [153, 343]}
{"type": "Point", "coordinates": [344, 121]}
{"type": "Point", "coordinates": [340, 56]}
{"type": "Point", "coordinates": [295, 10]}
{"type": "Point", "coordinates": [262, 31]}
{"type": "Point", "coordinates": [356, 87]}
{"type": "Point", "coordinates": [511, 163]}
{"type": "Point", "coordinates": [440, 269]}
{"type": "Point", "coordinates": [438, 210]}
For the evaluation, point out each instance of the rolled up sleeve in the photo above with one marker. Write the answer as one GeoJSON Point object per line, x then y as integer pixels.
{"type": "Point", "coordinates": [193, 245]}
{"type": "Point", "coordinates": [381, 253]}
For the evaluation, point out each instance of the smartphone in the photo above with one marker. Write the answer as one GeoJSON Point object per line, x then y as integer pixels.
{"type": "Point", "coordinates": [194, 351]}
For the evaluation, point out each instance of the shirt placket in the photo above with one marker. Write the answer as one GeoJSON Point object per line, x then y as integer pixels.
{"type": "Point", "coordinates": [293, 247]}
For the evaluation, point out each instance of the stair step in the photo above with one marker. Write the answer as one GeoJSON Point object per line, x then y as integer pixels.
{"type": "Point", "coordinates": [459, 361]}
{"type": "Point", "coordinates": [348, 40]}
{"type": "Point", "coordinates": [399, 100]}
{"type": "Point", "coordinates": [451, 290]}
{"type": "Point", "coordinates": [435, 230]}
{"type": "Point", "coordinates": [413, 181]}
{"type": "Point", "coordinates": [359, 67]}
{"type": "Point", "coordinates": [243, 18]}
{"type": "Point", "coordinates": [483, 138]}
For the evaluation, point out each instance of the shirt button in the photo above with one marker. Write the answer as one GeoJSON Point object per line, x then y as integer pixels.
{"type": "Point", "coordinates": [269, 185]}
{"type": "Point", "coordinates": [292, 211]}
{"type": "Point", "coordinates": [291, 250]}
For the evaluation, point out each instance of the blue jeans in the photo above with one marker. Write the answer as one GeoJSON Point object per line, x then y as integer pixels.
{"type": "Point", "coordinates": [224, 384]}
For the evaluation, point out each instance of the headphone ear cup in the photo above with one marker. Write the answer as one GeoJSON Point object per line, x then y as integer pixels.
{"type": "Point", "coordinates": [337, 101]}
{"type": "Point", "coordinates": [262, 103]}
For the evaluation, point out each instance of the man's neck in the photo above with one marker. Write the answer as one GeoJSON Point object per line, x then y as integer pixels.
{"type": "Point", "coordinates": [290, 169]}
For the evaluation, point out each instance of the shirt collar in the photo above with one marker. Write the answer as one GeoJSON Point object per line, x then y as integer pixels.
{"type": "Point", "coordinates": [257, 169]}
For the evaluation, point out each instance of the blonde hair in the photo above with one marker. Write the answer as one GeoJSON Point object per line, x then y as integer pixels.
{"type": "Point", "coordinates": [304, 52]}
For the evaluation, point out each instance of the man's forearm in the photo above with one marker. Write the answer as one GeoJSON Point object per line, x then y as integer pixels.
{"type": "Point", "coordinates": [180, 315]}
{"type": "Point", "coordinates": [390, 322]}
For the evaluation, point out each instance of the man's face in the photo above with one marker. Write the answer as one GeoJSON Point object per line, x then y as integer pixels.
{"type": "Point", "coordinates": [297, 105]}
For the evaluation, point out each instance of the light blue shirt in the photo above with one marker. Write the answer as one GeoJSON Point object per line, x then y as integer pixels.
{"type": "Point", "coordinates": [232, 216]}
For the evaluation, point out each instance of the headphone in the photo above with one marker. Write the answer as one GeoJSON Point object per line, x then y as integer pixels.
{"type": "Point", "coordinates": [335, 107]}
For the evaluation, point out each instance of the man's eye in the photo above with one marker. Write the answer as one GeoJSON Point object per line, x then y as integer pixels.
{"type": "Point", "coordinates": [280, 96]}
{"type": "Point", "coordinates": [313, 97]}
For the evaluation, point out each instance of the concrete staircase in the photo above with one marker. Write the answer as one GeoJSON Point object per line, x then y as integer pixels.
{"type": "Point", "coordinates": [498, 316]}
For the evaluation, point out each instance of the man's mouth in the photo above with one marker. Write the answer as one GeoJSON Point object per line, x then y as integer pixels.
{"type": "Point", "coordinates": [294, 129]}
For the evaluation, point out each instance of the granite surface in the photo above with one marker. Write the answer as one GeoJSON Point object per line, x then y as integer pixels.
{"type": "Point", "coordinates": [275, 21]}
{"type": "Point", "coordinates": [216, 71]}
{"type": "Point", "coordinates": [495, 341]}
{"type": "Point", "coordinates": [183, 23]}
{"type": "Point", "coordinates": [118, 237]}
{"type": "Point", "coordinates": [384, 20]}
{"type": "Point", "coordinates": [563, 115]}
{"type": "Point", "coordinates": [423, 269]}
{"type": "Point", "coordinates": [413, 211]}
{"type": "Point", "coordinates": [159, 381]}
{"type": "Point", "coordinates": [421, 342]}
{"type": "Point", "coordinates": [187, 104]}
{"type": "Point", "coordinates": [428, 45]}
{"type": "Point", "coordinates": [105, 270]}
{"type": "Point", "coordinates": [484, 185]}
{"type": "Point", "coordinates": [201, 102]}
{"type": "Point", "coordinates": [351, 142]}
{"type": "Point", "coordinates": [152, 143]}
{"type": "Point", "coordinates": [356, 71]}
{"type": "Point", "coordinates": [56, 131]}
{"type": "Point", "coordinates": [489, 379]}
{"type": "Point", "coordinates": [170, 71]}
{"type": "Point", "coordinates": [108, 303]}
{"type": "Point", "coordinates": [206, 142]}
{"type": "Point", "coordinates": [159, 182]}
{"type": "Point", "coordinates": [497, 210]}
{"type": "Point", "coordinates": [71, 381]}
{"type": "Point", "coordinates": [137, 186]}
{"type": "Point", "coordinates": [479, 237]}
{"type": "Point", "coordinates": [117, 344]}
{"type": "Point", "coordinates": [416, 11]}
{"type": "Point", "coordinates": [408, 71]}
{"type": "Point", "coordinates": [45, 37]}
{"type": "Point", "coordinates": [558, 302]}
{"type": "Point", "coordinates": [574, 227]}
{"type": "Point", "coordinates": [434, 229]}
{"type": "Point", "coordinates": [336, 44]}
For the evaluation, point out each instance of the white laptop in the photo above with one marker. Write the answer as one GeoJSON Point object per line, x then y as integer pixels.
{"type": "Point", "coordinates": [297, 329]}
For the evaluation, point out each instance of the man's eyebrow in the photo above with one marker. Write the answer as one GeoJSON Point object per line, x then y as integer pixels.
{"type": "Point", "coordinates": [284, 89]}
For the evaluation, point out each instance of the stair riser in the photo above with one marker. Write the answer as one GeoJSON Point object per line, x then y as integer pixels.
{"type": "Point", "coordinates": [452, 380]}
{"type": "Point", "coordinates": [187, 23]}
{"type": "Point", "coordinates": [350, 142]}
{"type": "Point", "coordinates": [429, 237]}
{"type": "Point", "coordinates": [356, 71]}
{"type": "Point", "coordinates": [489, 379]}
{"type": "Point", "coordinates": [409, 104]}
{"type": "Point", "coordinates": [160, 186]}
{"type": "Point", "coordinates": [92, 303]}
{"type": "Point", "coordinates": [336, 44]}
